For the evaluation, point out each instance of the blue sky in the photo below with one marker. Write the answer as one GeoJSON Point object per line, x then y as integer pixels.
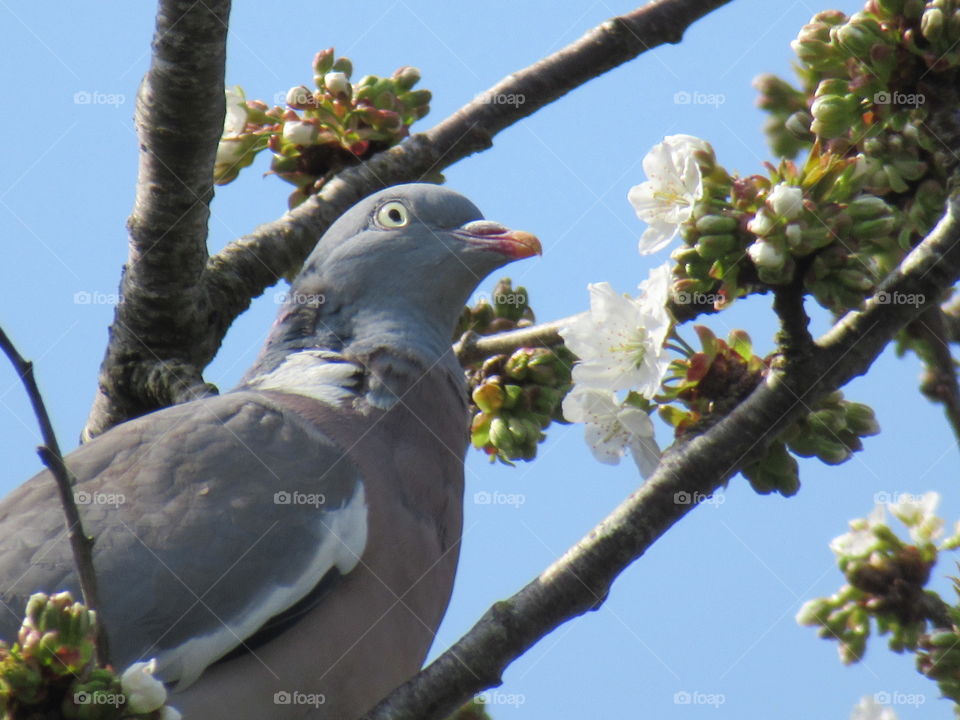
{"type": "Point", "coordinates": [710, 608]}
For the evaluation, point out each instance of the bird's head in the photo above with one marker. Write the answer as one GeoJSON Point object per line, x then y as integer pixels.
{"type": "Point", "coordinates": [395, 270]}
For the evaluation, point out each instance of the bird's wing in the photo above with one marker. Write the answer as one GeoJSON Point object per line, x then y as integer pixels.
{"type": "Point", "coordinates": [209, 518]}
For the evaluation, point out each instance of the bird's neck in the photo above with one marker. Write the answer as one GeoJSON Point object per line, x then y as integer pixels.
{"type": "Point", "coordinates": [373, 358]}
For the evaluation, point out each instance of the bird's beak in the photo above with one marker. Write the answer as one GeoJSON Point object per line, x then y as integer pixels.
{"type": "Point", "coordinates": [515, 244]}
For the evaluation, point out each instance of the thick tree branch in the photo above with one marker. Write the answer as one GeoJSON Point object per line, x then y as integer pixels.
{"type": "Point", "coordinates": [167, 330]}
{"type": "Point", "coordinates": [159, 340]}
{"type": "Point", "coordinates": [80, 543]}
{"type": "Point", "coordinates": [580, 579]}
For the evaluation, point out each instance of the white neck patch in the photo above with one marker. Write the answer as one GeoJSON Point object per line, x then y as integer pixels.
{"type": "Point", "coordinates": [318, 374]}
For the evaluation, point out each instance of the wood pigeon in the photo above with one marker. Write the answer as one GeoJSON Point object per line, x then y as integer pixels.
{"type": "Point", "coordinates": [287, 549]}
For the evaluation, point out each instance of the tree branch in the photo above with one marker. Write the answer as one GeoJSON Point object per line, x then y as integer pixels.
{"type": "Point", "coordinates": [939, 381]}
{"type": "Point", "coordinates": [159, 340]}
{"type": "Point", "coordinates": [579, 580]}
{"type": "Point", "coordinates": [80, 543]}
{"type": "Point", "coordinates": [164, 336]}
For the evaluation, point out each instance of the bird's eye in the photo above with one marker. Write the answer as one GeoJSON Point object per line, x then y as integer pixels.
{"type": "Point", "coordinates": [393, 215]}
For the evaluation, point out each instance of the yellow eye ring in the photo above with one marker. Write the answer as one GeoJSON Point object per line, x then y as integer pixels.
{"type": "Point", "coordinates": [393, 215]}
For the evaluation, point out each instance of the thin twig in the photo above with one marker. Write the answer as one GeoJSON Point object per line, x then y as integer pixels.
{"type": "Point", "coordinates": [50, 455]}
{"type": "Point", "coordinates": [939, 382]}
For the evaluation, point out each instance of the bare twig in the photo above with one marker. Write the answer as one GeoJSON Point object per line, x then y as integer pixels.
{"type": "Point", "coordinates": [155, 359]}
{"type": "Point", "coordinates": [580, 579]}
{"type": "Point", "coordinates": [80, 543]}
{"type": "Point", "coordinates": [473, 347]}
{"type": "Point", "coordinates": [939, 381]}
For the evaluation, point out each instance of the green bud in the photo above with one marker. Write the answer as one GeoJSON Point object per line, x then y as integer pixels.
{"type": "Point", "coordinates": [416, 98]}
{"type": "Point", "coordinates": [858, 37]}
{"type": "Point", "coordinates": [798, 125]}
{"type": "Point", "coordinates": [322, 62]}
{"type": "Point", "coordinates": [944, 639]}
{"type": "Point", "coordinates": [861, 419]}
{"type": "Point", "coordinates": [714, 247]}
{"type": "Point", "coordinates": [512, 394]}
{"type": "Point", "coordinates": [406, 77]}
{"type": "Point", "coordinates": [716, 224]}
{"type": "Point", "coordinates": [832, 86]}
{"type": "Point", "coordinates": [891, 7]}
{"type": "Point", "coordinates": [343, 65]}
{"type": "Point", "coordinates": [894, 179]}
{"type": "Point", "coordinates": [868, 207]}
{"type": "Point", "coordinates": [830, 451]}
{"type": "Point", "coordinates": [501, 437]}
{"type": "Point", "coordinates": [931, 24]}
{"type": "Point", "coordinates": [488, 397]}
{"type": "Point", "coordinates": [869, 229]}
{"type": "Point", "coordinates": [833, 115]}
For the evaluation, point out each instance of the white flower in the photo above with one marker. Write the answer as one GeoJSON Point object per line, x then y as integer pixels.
{"type": "Point", "coordinates": [299, 132]}
{"type": "Point", "coordinates": [786, 201]}
{"type": "Point", "coordinates": [762, 223]}
{"type": "Point", "coordinates": [869, 709]}
{"type": "Point", "coordinates": [143, 691]}
{"type": "Point", "coordinates": [860, 541]}
{"type": "Point", "coordinates": [665, 201]}
{"type": "Point", "coordinates": [765, 254]}
{"type": "Point", "coordinates": [620, 341]}
{"type": "Point", "coordinates": [229, 152]}
{"type": "Point", "coordinates": [918, 514]}
{"type": "Point", "coordinates": [612, 428]}
{"type": "Point", "coordinates": [235, 119]}
{"type": "Point", "coordinates": [169, 713]}
{"type": "Point", "coordinates": [337, 83]}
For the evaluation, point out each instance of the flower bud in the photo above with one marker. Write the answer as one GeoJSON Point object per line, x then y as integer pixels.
{"type": "Point", "coordinates": [337, 85]}
{"type": "Point", "coordinates": [714, 247]}
{"type": "Point", "coordinates": [406, 77]}
{"type": "Point", "coordinates": [867, 207]}
{"type": "Point", "coordinates": [762, 224]}
{"type": "Point", "coordinates": [766, 255]}
{"type": "Point", "coordinates": [833, 115]}
{"type": "Point", "coordinates": [932, 24]}
{"type": "Point", "coordinates": [299, 132]}
{"type": "Point", "coordinates": [322, 62]}
{"type": "Point", "coordinates": [343, 65]}
{"type": "Point", "coordinates": [786, 201]}
{"type": "Point", "coordinates": [716, 224]}
{"type": "Point", "coordinates": [143, 691]}
{"type": "Point", "coordinates": [798, 125]}
{"type": "Point", "coordinates": [300, 98]}
{"type": "Point", "coordinates": [488, 397]}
